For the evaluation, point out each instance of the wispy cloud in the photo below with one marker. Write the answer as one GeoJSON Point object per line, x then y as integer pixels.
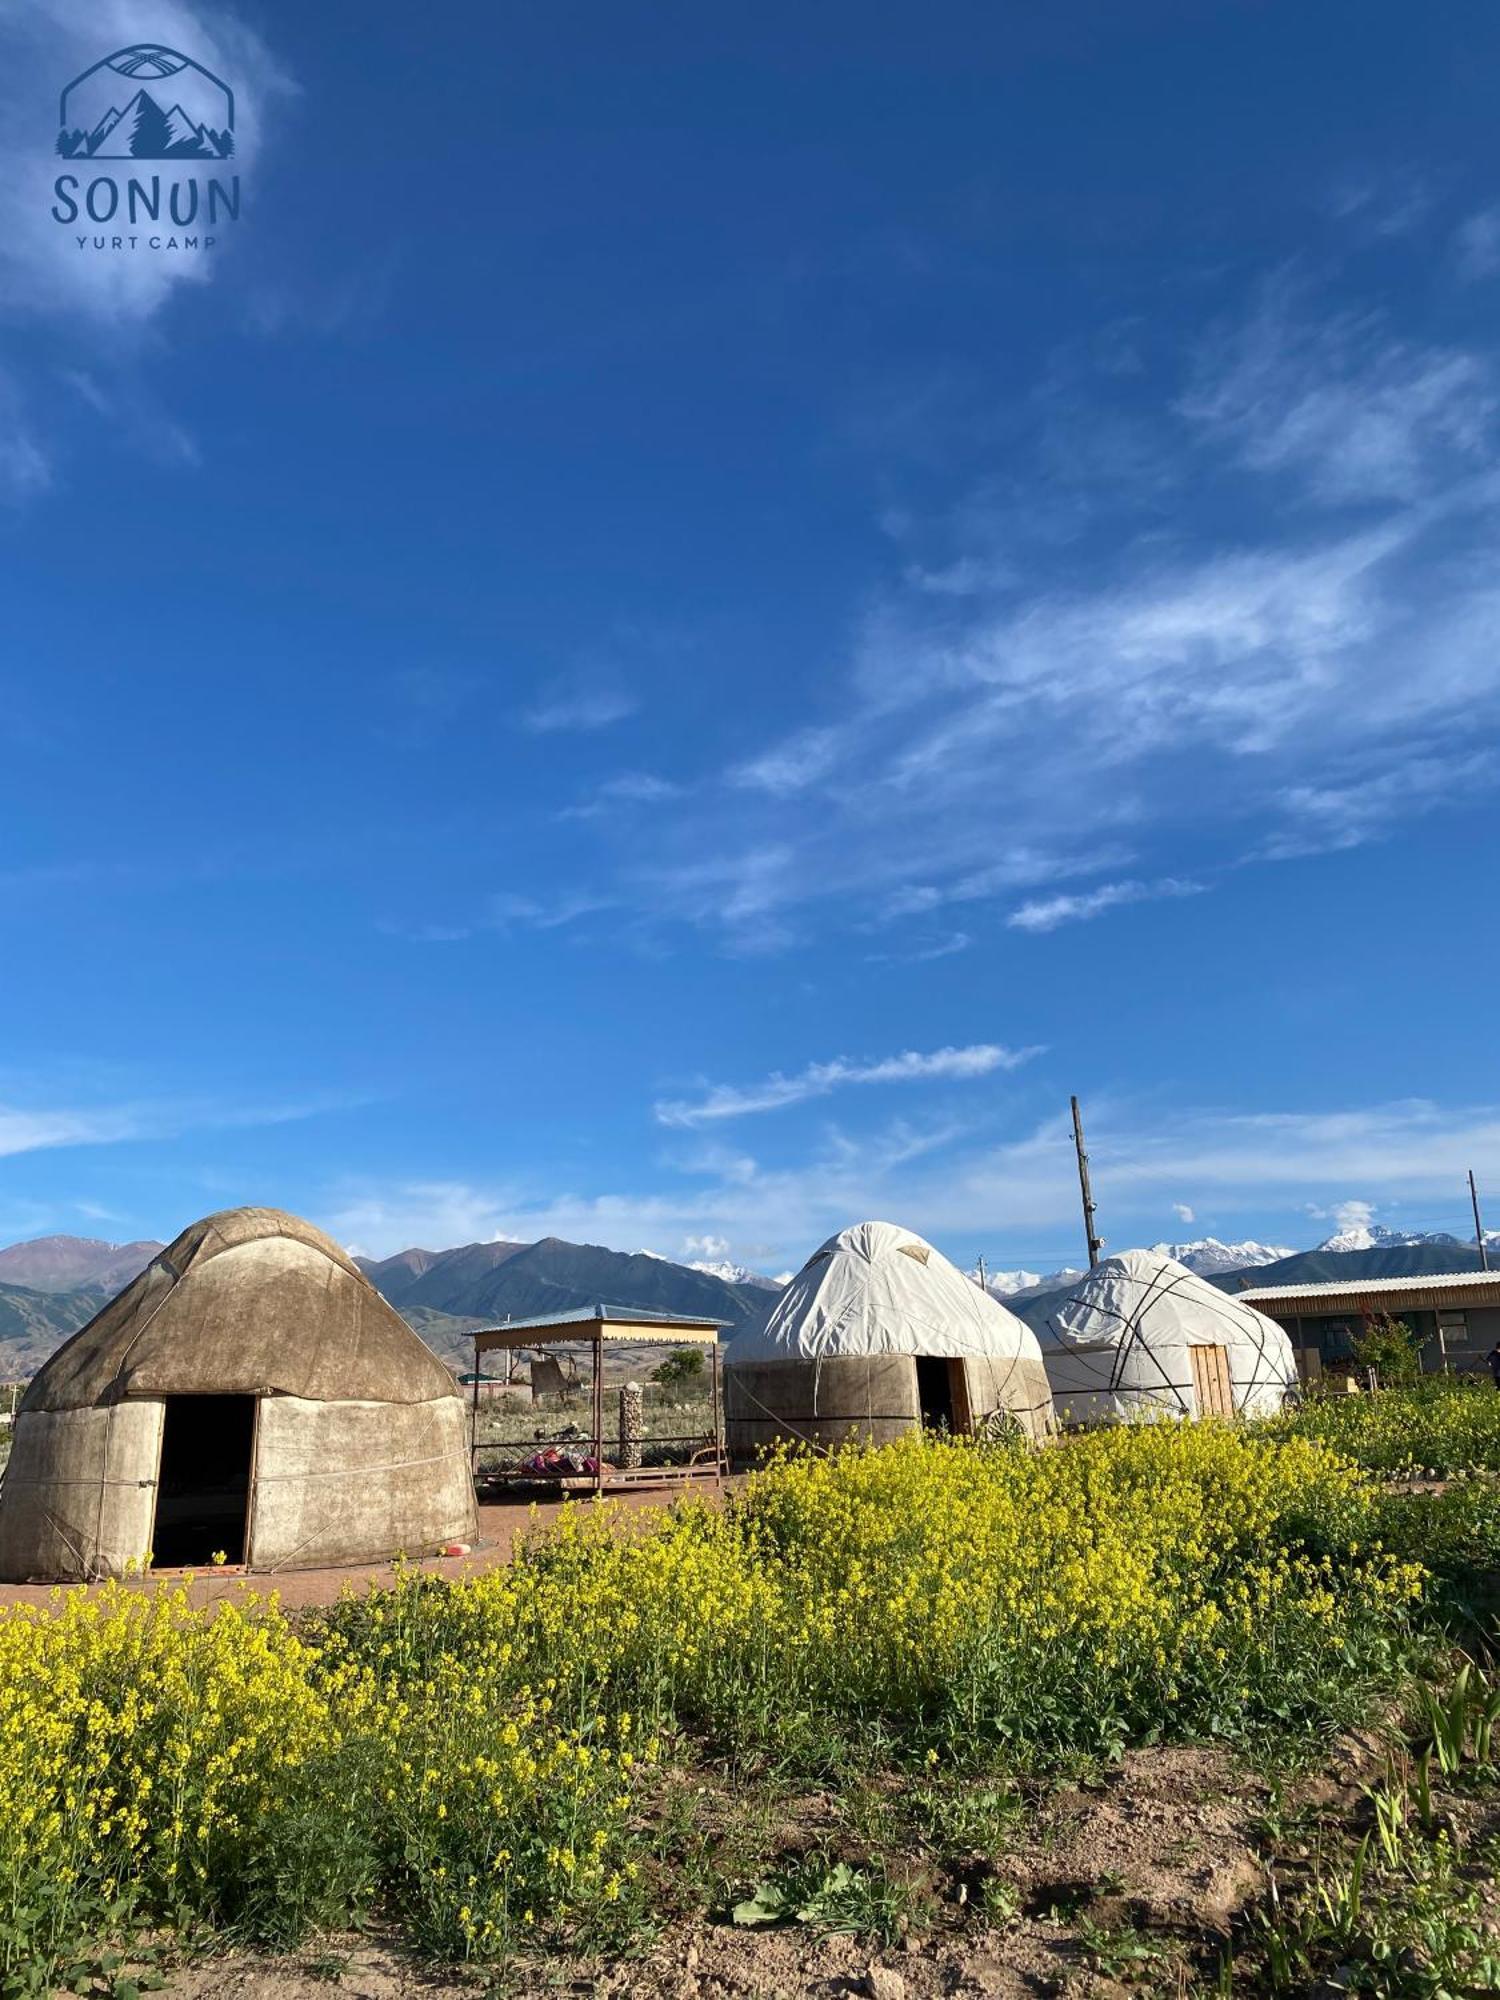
{"type": "Point", "coordinates": [1047, 913]}
{"type": "Point", "coordinates": [509, 910]}
{"type": "Point", "coordinates": [791, 766]}
{"type": "Point", "coordinates": [923, 954]}
{"type": "Point", "coordinates": [25, 468]}
{"type": "Point", "coordinates": [1341, 401]}
{"type": "Point", "coordinates": [578, 702]}
{"type": "Point", "coordinates": [1010, 1196]}
{"type": "Point", "coordinates": [625, 790]}
{"type": "Point", "coordinates": [1476, 245]}
{"type": "Point", "coordinates": [32, 1129]}
{"type": "Point", "coordinates": [724, 1100]}
{"type": "Point", "coordinates": [1248, 691]}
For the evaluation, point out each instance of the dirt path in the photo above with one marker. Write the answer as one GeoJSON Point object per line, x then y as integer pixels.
{"type": "Point", "coordinates": [501, 1526]}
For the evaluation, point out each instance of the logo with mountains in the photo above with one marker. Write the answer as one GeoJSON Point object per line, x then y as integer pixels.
{"type": "Point", "coordinates": [146, 103]}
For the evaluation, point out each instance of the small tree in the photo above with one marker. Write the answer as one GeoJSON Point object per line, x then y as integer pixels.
{"type": "Point", "coordinates": [1391, 1348]}
{"type": "Point", "coordinates": [682, 1370]}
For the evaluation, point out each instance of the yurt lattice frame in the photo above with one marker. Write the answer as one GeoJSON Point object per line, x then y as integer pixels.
{"type": "Point", "coordinates": [596, 1329]}
{"type": "Point", "coordinates": [1131, 1369]}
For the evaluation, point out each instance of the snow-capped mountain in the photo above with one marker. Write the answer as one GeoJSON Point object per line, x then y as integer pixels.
{"type": "Point", "coordinates": [1375, 1236]}
{"type": "Point", "coordinates": [1005, 1284]}
{"type": "Point", "coordinates": [725, 1268]}
{"type": "Point", "coordinates": [1008, 1285]}
{"type": "Point", "coordinates": [1208, 1254]}
{"type": "Point", "coordinates": [738, 1274]}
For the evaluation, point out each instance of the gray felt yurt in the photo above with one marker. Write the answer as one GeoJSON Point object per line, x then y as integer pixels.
{"type": "Point", "coordinates": [1143, 1336]}
{"type": "Point", "coordinates": [877, 1334]}
{"type": "Point", "coordinates": [250, 1394]}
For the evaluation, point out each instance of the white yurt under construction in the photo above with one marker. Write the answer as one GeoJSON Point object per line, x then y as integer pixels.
{"type": "Point", "coordinates": [877, 1334]}
{"type": "Point", "coordinates": [250, 1394]}
{"type": "Point", "coordinates": [1142, 1335]}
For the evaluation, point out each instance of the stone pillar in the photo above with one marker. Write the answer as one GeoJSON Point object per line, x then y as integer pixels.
{"type": "Point", "coordinates": [632, 1425]}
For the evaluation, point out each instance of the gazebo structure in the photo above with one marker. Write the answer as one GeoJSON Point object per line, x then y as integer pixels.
{"type": "Point", "coordinates": [878, 1334]}
{"type": "Point", "coordinates": [1143, 1336]}
{"type": "Point", "coordinates": [250, 1397]}
{"type": "Point", "coordinates": [585, 1468]}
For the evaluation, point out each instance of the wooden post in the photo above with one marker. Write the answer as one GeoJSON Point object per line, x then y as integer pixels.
{"type": "Point", "coordinates": [718, 1422]}
{"type": "Point", "coordinates": [1095, 1242]}
{"type": "Point", "coordinates": [599, 1408]}
{"type": "Point", "coordinates": [474, 1415]}
{"type": "Point", "coordinates": [1484, 1255]}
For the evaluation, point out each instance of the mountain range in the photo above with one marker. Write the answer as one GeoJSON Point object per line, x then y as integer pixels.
{"type": "Point", "coordinates": [51, 1285]}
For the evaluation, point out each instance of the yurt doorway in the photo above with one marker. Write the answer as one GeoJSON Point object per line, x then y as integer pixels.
{"type": "Point", "coordinates": [203, 1487]}
{"type": "Point", "coordinates": [941, 1394]}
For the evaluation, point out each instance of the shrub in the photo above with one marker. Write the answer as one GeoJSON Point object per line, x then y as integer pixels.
{"type": "Point", "coordinates": [681, 1370]}
{"type": "Point", "coordinates": [1389, 1347]}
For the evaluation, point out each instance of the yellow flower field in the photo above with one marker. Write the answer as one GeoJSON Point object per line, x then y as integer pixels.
{"type": "Point", "coordinates": [476, 1758]}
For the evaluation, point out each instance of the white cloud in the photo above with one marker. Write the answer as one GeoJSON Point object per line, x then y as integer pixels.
{"type": "Point", "coordinates": [1476, 245]}
{"type": "Point", "coordinates": [724, 1100]}
{"type": "Point", "coordinates": [1047, 913]}
{"type": "Point", "coordinates": [1354, 1214]}
{"type": "Point", "coordinates": [1183, 1213]}
{"type": "Point", "coordinates": [508, 910]}
{"type": "Point", "coordinates": [923, 954]}
{"type": "Point", "coordinates": [1262, 693]}
{"type": "Point", "coordinates": [1023, 1190]}
{"type": "Point", "coordinates": [1329, 818]}
{"type": "Point", "coordinates": [577, 702]}
{"type": "Point", "coordinates": [711, 1249]}
{"type": "Point", "coordinates": [1339, 400]}
{"type": "Point", "coordinates": [792, 765]}
{"type": "Point", "coordinates": [627, 788]}
{"type": "Point", "coordinates": [32, 1129]}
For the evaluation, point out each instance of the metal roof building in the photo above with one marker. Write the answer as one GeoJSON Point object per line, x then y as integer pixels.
{"type": "Point", "coordinates": [1455, 1315]}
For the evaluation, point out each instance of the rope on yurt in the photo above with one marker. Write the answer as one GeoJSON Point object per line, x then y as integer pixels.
{"type": "Point", "coordinates": [1155, 1291]}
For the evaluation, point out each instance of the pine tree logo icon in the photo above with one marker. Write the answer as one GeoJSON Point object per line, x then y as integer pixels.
{"type": "Point", "coordinates": [146, 103]}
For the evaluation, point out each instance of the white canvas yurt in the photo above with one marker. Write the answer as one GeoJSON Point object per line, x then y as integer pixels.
{"type": "Point", "coordinates": [251, 1395]}
{"type": "Point", "coordinates": [1142, 1335]}
{"type": "Point", "coordinates": [877, 1334]}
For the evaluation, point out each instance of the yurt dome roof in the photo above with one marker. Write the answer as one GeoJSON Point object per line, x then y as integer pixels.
{"type": "Point", "coordinates": [251, 1301]}
{"type": "Point", "coordinates": [875, 1288]}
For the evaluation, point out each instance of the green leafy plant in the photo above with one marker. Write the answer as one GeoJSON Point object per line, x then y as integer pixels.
{"type": "Point", "coordinates": [830, 1897]}
{"type": "Point", "coordinates": [1389, 1347]}
{"type": "Point", "coordinates": [682, 1369]}
{"type": "Point", "coordinates": [1120, 1951]}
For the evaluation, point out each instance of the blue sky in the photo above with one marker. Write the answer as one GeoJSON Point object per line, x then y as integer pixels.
{"type": "Point", "coordinates": [697, 615]}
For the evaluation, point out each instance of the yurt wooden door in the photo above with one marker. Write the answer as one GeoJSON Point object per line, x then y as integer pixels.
{"type": "Point", "coordinates": [1211, 1381]}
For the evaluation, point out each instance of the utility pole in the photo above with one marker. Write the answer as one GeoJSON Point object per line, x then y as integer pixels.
{"type": "Point", "coordinates": [982, 1284]}
{"type": "Point", "coordinates": [1095, 1243]}
{"type": "Point", "coordinates": [1484, 1255]}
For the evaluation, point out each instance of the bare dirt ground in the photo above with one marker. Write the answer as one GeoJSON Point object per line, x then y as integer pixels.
{"type": "Point", "coordinates": [1163, 1846]}
{"type": "Point", "coordinates": [502, 1524]}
